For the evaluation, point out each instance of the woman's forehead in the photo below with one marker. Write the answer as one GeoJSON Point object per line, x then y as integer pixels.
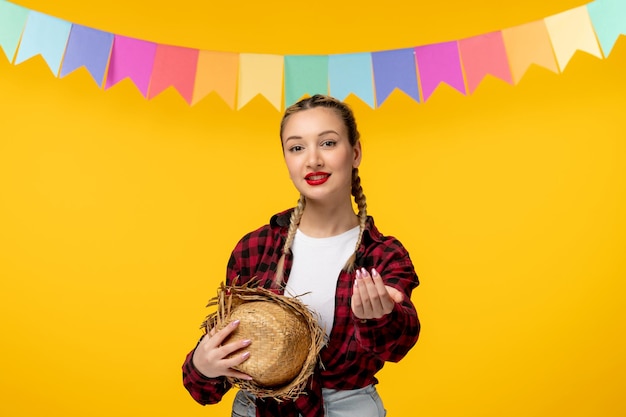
{"type": "Point", "coordinates": [317, 119]}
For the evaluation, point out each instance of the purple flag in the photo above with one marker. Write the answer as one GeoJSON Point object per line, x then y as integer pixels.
{"type": "Point", "coordinates": [395, 69]}
{"type": "Point", "coordinates": [131, 58]}
{"type": "Point", "coordinates": [439, 63]}
{"type": "Point", "coordinates": [90, 48]}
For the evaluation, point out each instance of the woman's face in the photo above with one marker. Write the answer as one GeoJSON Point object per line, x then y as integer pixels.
{"type": "Point", "coordinates": [319, 155]}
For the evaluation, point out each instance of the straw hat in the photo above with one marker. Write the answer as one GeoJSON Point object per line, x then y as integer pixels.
{"type": "Point", "coordinates": [286, 339]}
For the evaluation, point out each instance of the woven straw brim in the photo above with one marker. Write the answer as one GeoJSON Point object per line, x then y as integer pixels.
{"type": "Point", "coordinates": [286, 339]}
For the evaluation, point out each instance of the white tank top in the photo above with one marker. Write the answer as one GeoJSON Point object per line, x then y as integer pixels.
{"type": "Point", "coordinates": [317, 263]}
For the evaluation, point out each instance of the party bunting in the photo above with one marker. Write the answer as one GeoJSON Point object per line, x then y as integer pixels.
{"type": "Point", "coordinates": [174, 67]}
{"type": "Point", "coordinates": [351, 73]}
{"type": "Point", "coordinates": [526, 45]}
{"type": "Point", "coordinates": [12, 22]}
{"type": "Point", "coordinates": [260, 74]}
{"type": "Point", "coordinates": [483, 55]}
{"type": "Point", "coordinates": [571, 31]}
{"type": "Point", "coordinates": [439, 63]}
{"type": "Point", "coordinates": [609, 20]}
{"type": "Point", "coordinates": [217, 72]}
{"type": "Point", "coordinates": [305, 74]}
{"type": "Point", "coordinates": [44, 35]}
{"type": "Point", "coordinates": [89, 48]}
{"type": "Point", "coordinates": [395, 69]}
{"type": "Point", "coordinates": [237, 78]}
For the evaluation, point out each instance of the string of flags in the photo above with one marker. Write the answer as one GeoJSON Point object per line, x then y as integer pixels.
{"type": "Point", "coordinates": [372, 76]}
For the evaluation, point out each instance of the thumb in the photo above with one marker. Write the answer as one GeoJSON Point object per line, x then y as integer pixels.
{"type": "Point", "coordinates": [395, 295]}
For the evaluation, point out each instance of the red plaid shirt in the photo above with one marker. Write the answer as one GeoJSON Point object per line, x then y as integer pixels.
{"type": "Point", "coordinates": [356, 350]}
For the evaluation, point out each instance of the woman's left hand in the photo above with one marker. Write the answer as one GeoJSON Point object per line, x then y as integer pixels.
{"type": "Point", "coordinates": [371, 298]}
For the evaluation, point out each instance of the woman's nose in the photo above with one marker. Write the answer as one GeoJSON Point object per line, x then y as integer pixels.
{"type": "Point", "coordinates": [314, 159]}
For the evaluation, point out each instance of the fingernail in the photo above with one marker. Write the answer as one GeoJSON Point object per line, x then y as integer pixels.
{"type": "Point", "coordinates": [248, 378]}
{"type": "Point", "coordinates": [246, 355]}
{"type": "Point", "coordinates": [246, 342]}
{"type": "Point", "coordinates": [364, 272]}
{"type": "Point", "coordinates": [358, 274]}
{"type": "Point", "coordinates": [356, 283]}
{"type": "Point", "coordinates": [374, 272]}
{"type": "Point", "coordinates": [235, 323]}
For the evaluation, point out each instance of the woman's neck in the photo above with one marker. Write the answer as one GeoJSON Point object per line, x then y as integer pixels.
{"type": "Point", "coordinates": [325, 221]}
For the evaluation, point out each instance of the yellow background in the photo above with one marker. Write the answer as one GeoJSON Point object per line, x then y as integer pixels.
{"type": "Point", "coordinates": [117, 214]}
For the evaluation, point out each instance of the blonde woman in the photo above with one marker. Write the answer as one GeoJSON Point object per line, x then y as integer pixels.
{"type": "Point", "coordinates": [357, 280]}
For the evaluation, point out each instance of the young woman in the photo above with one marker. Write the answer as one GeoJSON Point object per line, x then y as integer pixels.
{"type": "Point", "coordinates": [358, 280]}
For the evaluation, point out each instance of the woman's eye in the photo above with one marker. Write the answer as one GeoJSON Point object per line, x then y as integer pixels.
{"type": "Point", "coordinates": [329, 143]}
{"type": "Point", "coordinates": [295, 148]}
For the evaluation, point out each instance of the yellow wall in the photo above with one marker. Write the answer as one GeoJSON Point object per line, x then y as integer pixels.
{"type": "Point", "coordinates": [117, 215]}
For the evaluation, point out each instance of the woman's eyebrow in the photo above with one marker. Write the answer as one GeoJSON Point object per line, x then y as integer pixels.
{"type": "Point", "coordinates": [320, 134]}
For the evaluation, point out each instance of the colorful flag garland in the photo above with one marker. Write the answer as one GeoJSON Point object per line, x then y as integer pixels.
{"type": "Point", "coordinates": [372, 76]}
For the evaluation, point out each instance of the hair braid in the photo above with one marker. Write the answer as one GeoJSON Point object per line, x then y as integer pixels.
{"type": "Point", "coordinates": [294, 221]}
{"type": "Point", "coordinates": [361, 202]}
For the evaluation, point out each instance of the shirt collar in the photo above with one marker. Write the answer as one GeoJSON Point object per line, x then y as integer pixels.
{"type": "Point", "coordinates": [281, 220]}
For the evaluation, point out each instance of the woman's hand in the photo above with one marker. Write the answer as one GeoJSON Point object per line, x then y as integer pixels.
{"type": "Point", "coordinates": [210, 357]}
{"type": "Point", "coordinates": [371, 298]}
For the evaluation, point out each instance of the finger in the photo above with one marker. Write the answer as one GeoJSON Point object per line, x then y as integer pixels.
{"type": "Point", "coordinates": [222, 334]}
{"type": "Point", "coordinates": [237, 374]}
{"type": "Point", "coordinates": [236, 360]}
{"type": "Point", "coordinates": [356, 303]}
{"type": "Point", "coordinates": [372, 293]}
{"type": "Point", "coordinates": [396, 296]}
{"type": "Point", "coordinates": [362, 279]}
{"type": "Point", "coordinates": [385, 298]}
{"type": "Point", "coordinates": [230, 348]}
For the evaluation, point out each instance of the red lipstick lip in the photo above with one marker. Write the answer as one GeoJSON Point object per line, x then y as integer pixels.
{"type": "Point", "coordinates": [316, 178]}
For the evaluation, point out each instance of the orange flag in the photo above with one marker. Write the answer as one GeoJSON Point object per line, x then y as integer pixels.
{"type": "Point", "coordinates": [217, 71]}
{"type": "Point", "coordinates": [529, 44]}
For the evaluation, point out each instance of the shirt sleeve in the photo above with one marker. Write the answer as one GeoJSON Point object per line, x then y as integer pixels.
{"type": "Point", "coordinates": [392, 336]}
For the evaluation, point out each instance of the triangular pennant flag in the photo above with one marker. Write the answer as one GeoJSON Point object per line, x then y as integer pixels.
{"type": "Point", "coordinates": [395, 69]}
{"type": "Point", "coordinates": [305, 74]}
{"type": "Point", "coordinates": [483, 55]}
{"type": "Point", "coordinates": [351, 73]}
{"type": "Point", "coordinates": [132, 58]}
{"type": "Point", "coordinates": [174, 66]}
{"type": "Point", "coordinates": [439, 63]}
{"type": "Point", "coordinates": [260, 74]}
{"type": "Point", "coordinates": [571, 31]}
{"type": "Point", "coordinates": [89, 48]}
{"type": "Point", "coordinates": [12, 22]}
{"type": "Point", "coordinates": [528, 44]}
{"type": "Point", "coordinates": [609, 20]}
{"type": "Point", "coordinates": [45, 35]}
{"type": "Point", "coordinates": [217, 71]}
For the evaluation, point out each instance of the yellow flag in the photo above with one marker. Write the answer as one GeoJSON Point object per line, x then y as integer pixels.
{"type": "Point", "coordinates": [260, 74]}
{"type": "Point", "coordinates": [572, 31]}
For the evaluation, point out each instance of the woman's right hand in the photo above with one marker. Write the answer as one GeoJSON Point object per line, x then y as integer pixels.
{"type": "Point", "coordinates": [210, 356]}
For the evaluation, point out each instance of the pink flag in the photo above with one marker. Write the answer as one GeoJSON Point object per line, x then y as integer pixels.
{"type": "Point", "coordinates": [132, 58]}
{"type": "Point", "coordinates": [439, 63]}
{"type": "Point", "coordinates": [482, 55]}
{"type": "Point", "coordinates": [174, 66]}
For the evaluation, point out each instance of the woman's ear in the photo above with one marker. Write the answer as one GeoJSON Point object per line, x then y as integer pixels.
{"type": "Point", "coordinates": [357, 155]}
